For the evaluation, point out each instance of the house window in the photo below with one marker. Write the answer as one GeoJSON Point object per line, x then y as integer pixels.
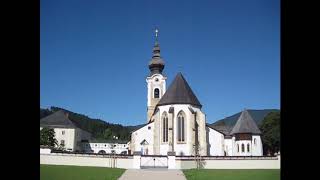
{"type": "Point", "coordinates": [181, 131]}
{"type": "Point", "coordinates": [156, 93]}
{"type": "Point", "coordinates": [63, 132]}
{"type": "Point", "coordinates": [248, 148]}
{"type": "Point", "coordinates": [165, 128]}
{"type": "Point", "coordinates": [242, 148]}
{"type": "Point", "coordinates": [62, 142]}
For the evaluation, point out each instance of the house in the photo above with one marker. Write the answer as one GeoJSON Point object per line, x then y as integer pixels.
{"type": "Point", "coordinates": [67, 133]}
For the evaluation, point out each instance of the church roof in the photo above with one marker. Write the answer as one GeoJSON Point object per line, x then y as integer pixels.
{"type": "Point", "coordinates": [58, 119]}
{"type": "Point", "coordinates": [179, 92]}
{"type": "Point", "coordinates": [221, 128]}
{"type": "Point", "coordinates": [245, 124]}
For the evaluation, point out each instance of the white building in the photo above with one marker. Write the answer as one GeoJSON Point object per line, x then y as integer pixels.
{"type": "Point", "coordinates": [241, 140]}
{"type": "Point", "coordinates": [67, 133]}
{"type": "Point", "coordinates": [177, 124]}
{"type": "Point", "coordinates": [111, 147]}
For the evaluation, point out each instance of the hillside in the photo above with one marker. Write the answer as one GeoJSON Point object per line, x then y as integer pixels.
{"type": "Point", "coordinates": [99, 129]}
{"type": "Point", "coordinates": [257, 115]}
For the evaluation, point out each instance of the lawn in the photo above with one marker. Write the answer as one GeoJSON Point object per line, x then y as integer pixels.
{"type": "Point", "coordinates": [53, 172]}
{"type": "Point", "coordinates": [232, 174]}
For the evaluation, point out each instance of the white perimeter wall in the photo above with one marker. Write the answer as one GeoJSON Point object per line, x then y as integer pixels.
{"type": "Point", "coordinates": [133, 162]}
{"type": "Point", "coordinates": [86, 160]}
{"type": "Point", "coordinates": [231, 163]}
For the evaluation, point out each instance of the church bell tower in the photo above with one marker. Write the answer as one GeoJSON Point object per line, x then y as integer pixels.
{"type": "Point", "coordinates": [156, 81]}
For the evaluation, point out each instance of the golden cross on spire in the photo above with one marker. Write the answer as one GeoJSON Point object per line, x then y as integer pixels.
{"type": "Point", "coordinates": [156, 34]}
{"type": "Point", "coordinates": [156, 31]}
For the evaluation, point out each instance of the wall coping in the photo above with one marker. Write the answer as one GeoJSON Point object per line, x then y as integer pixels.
{"type": "Point", "coordinates": [91, 155]}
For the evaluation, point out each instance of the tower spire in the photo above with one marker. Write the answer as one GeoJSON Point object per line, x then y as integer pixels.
{"type": "Point", "coordinates": [156, 64]}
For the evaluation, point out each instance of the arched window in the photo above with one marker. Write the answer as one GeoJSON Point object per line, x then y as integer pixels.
{"type": "Point", "coordinates": [164, 127]}
{"type": "Point", "coordinates": [242, 147]}
{"type": "Point", "coordinates": [156, 93]}
{"type": "Point", "coordinates": [238, 148]}
{"type": "Point", "coordinates": [181, 124]}
{"type": "Point", "coordinates": [248, 147]}
{"type": "Point", "coordinates": [254, 141]}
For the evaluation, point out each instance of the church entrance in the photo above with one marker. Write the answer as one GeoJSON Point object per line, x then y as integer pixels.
{"type": "Point", "coordinates": [153, 161]}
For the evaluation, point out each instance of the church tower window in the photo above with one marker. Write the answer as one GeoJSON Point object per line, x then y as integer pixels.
{"type": "Point", "coordinates": [165, 128]}
{"type": "Point", "coordinates": [156, 93]}
{"type": "Point", "coordinates": [238, 147]}
{"type": "Point", "coordinates": [181, 130]}
{"type": "Point", "coordinates": [242, 147]}
{"type": "Point", "coordinates": [254, 141]}
{"type": "Point", "coordinates": [248, 147]}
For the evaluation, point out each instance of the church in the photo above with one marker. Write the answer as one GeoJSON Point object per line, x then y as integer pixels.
{"type": "Point", "coordinates": [177, 125]}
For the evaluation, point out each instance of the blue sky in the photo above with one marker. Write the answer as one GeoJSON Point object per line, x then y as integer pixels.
{"type": "Point", "coordinates": [94, 54]}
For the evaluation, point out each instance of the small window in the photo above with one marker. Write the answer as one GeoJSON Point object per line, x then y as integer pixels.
{"type": "Point", "coordinates": [254, 141]}
{"type": "Point", "coordinates": [149, 127]}
{"type": "Point", "coordinates": [156, 93]}
{"type": "Point", "coordinates": [105, 145]}
{"type": "Point", "coordinates": [124, 145]}
{"type": "Point", "coordinates": [238, 148]}
{"type": "Point", "coordinates": [62, 142]}
{"type": "Point", "coordinates": [63, 132]}
{"type": "Point", "coordinates": [96, 145]}
{"type": "Point", "coordinates": [248, 148]}
{"type": "Point", "coordinates": [242, 148]}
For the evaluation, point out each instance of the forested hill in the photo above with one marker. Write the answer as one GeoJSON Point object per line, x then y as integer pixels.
{"type": "Point", "coordinates": [257, 116]}
{"type": "Point", "coordinates": [99, 129]}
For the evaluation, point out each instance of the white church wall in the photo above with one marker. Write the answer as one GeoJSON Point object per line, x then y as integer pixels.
{"type": "Point", "coordinates": [245, 143]}
{"type": "Point", "coordinates": [181, 148]}
{"type": "Point", "coordinates": [228, 146]}
{"type": "Point", "coordinates": [144, 133]}
{"type": "Point", "coordinates": [257, 148]}
{"type": "Point", "coordinates": [215, 143]}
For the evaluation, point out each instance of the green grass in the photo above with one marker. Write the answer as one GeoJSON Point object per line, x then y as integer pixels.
{"type": "Point", "coordinates": [232, 174]}
{"type": "Point", "coordinates": [54, 172]}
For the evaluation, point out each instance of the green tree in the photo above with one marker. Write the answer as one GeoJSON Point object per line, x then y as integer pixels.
{"type": "Point", "coordinates": [47, 137]}
{"type": "Point", "coordinates": [107, 134]}
{"type": "Point", "coordinates": [270, 128]}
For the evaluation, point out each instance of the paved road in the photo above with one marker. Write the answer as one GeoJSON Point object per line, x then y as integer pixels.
{"type": "Point", "coordinates": [152, 174]}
